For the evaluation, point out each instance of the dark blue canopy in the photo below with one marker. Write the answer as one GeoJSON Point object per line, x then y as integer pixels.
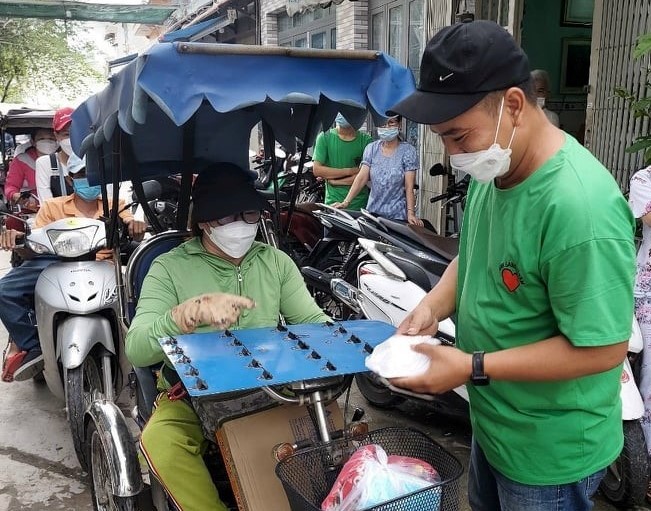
{"type": "Point", "coordinates": [225, 90]}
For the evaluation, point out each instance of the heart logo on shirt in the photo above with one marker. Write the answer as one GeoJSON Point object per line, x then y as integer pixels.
{"type": "Point", "coordinates": [511, 279]}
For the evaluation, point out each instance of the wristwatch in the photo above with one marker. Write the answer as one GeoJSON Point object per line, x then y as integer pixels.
{"type": "Point", "coordinates": [478, 376]}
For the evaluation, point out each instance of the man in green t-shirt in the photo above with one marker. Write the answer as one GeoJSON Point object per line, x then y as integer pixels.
{"type": "Point", "coordinates": [542, 287]}
{"type": "Point", "coordinates": [337, 156]}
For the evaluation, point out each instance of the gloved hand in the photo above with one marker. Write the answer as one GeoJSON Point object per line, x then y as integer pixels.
{"type": "Point", "coordinates": [220, 310]}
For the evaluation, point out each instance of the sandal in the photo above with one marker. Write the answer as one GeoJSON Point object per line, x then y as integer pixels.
{"type": "Point", "coordinates": [11, 362]}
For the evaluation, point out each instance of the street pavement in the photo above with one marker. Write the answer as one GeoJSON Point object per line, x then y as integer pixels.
{"type": "Point", "coordinates": [39, 470]}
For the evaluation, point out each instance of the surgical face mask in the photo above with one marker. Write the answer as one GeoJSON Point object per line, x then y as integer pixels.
{"type": "Point", "coordinates": [46, 146]}
{"type": "Point", "coordinates": [541, 102]}
{"type": "Point", "coordinates": [341, 121]}
{"type": "Point", "coordinates": [234, 239]}
{"type": "Point", "coordinates": [85, 191]}
{"type": "Point", "coordinates": [388, 134]}
{"type": "Point", "coordinates": [66, 146]}
{"type": "Point", "coordinates": [485, 165]}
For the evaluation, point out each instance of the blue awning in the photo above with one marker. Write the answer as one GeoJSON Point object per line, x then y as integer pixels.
{"type": "Point", "coordinates": [226, 90]}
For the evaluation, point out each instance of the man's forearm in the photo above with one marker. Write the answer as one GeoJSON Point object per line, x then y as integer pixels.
{"type": "Point", "coordinates": [552, 359]}
{"type": "Point", "coordinates": [320, 170]}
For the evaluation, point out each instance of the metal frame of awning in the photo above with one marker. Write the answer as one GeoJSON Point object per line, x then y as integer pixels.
{"type": "Point", "coordinates": [82, 11]}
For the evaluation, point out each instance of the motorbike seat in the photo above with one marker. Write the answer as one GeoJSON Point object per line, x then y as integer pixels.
{"type": "Point", "coordinates": [269, 195]}
{"type": "Point", "coordinates": [444, 246]}
{"type": "Point", "coordinates": [422, 272]}
{"type": "Point", "coordinates": [141, 260]}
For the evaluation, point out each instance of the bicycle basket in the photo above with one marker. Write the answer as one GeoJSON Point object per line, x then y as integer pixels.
{"type": "Point", "coordinates": [308, 476]}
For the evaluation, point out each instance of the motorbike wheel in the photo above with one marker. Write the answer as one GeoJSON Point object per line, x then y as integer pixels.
{"type": "Point", "coordinates": [82, 385]}
{"type": "Point", "coordinates": [376, 393]}
{"type": "Point", "coordinates": [100, 480]}
{"type": "Point", "coordinates": [627, 478]}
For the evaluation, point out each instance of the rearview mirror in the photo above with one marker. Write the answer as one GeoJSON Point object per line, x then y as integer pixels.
{"type": "Point", "coordinates": [437, 170]}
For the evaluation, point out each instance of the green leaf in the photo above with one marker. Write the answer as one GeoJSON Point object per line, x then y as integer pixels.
{"type": "Point", "coordinates": [643, 46]}
{"type": "Point", "coordinates": [640, 144]}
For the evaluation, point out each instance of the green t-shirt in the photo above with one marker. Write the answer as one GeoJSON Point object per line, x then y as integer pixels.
{"type": "Point", "coordinates": [552, 255]}
{"type": "Point", "coordinates": [333, 152]}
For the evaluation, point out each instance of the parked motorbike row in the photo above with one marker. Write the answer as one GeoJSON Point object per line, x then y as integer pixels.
{"type": "Point", "coordinates": [374, 268]}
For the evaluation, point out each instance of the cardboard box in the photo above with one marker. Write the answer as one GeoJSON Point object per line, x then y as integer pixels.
{"type": "Point", "coordinates": [246, 444]}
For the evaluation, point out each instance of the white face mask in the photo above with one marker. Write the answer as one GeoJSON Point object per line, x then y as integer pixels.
{"type": "Point", "coordinates": [66, 146]}
{"type": "Point", "coordinates": [46, 146]}
{"type": "Point", "coordinates": [541, 102]}
{"type": "Point", "coordinates": [234, 239]}
{"type": "Point", "coordinates": [485, 165]}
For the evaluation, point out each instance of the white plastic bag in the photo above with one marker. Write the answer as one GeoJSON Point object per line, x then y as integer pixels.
{"type": "Point", "coordinates": [394, 358]}
{"type": "Point", "coordinates": [370, 477]}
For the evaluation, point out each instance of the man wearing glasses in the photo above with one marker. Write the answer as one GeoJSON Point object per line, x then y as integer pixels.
{"type": "Point", "coordinates": [221, 278]}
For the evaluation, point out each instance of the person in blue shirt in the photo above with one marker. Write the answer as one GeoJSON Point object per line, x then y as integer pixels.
{"type": "Point", "coordinates": [389, 168]}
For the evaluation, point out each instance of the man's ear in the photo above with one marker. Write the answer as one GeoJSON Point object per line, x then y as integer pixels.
{"type": "Point", "coordinates": [514, 101]}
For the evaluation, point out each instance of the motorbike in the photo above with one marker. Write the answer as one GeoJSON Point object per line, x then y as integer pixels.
{"type": "Point", "coordinates": [77, 315]}
{"type": "Point", "coordinates": [395, 281]}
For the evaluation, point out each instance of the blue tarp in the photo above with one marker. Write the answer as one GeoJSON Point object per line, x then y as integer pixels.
{"type": "Point", "coordinates": [227, 93]}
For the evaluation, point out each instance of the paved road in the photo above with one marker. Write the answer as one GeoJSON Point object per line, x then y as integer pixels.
{"type": "Point", "coordinates": [39, 470]}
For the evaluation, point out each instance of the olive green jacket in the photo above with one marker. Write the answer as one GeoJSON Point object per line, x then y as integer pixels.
{"type": "Point", "coordinates": [266, 275]}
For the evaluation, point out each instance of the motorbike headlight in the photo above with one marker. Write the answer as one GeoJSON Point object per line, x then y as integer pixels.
{"type": "Point", "coordinates": [72, 243]}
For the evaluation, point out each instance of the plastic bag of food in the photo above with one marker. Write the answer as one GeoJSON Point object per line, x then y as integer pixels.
{"type": "Point", "coordinates": [370, 477]}
{"type": "Point", "coordinates": [394, 358]}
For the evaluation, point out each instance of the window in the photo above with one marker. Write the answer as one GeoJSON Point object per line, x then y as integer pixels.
{"type": "Point", "coordinates": [395, 32]}
{"type": "Point", "coordinates": [377, 32]}
{"type": "Point", "coordinates": [415, 36]}
{"type": "Point", "coordinates": [397, 28]}
{"type": "Point", "coordinates": [309, 29]}
{"type": "Point", "coordinates": [318, 40]}
{"type": "Point", "coordinates": [402, 37]}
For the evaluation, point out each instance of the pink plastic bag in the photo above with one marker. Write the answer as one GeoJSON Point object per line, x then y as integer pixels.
{"type": "Point", "coordinates": [370, 477]}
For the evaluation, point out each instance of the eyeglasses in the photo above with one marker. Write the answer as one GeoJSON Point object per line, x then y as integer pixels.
{"type": "Point", "coordinates": [250, 217]}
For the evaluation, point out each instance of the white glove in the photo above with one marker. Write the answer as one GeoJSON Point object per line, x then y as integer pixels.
{"type": "Point", "coordinates": [220, 310]}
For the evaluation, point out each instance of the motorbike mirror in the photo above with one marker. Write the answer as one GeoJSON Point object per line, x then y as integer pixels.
{"type": "Point", "coordinates": [152, 188]}
{"type": "Point", "coordinates": [4, 213]}
{"type": "Point", "coordinates": [437, 170]}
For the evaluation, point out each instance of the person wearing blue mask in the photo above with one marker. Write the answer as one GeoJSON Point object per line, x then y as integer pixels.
{"type": "Point", "coordinates": [337, 157]}
{"type": "Point", "coordinates": [22, 358]}
{"type": "Point", "coordinates": [389, 167]}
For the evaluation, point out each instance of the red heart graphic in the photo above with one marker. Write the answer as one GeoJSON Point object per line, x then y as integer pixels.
{"type": "Point", "coordinates": [510, 279]}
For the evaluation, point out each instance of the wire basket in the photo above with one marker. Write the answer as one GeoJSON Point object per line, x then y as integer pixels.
{"type": "Point", "coordinates": [308, 476]}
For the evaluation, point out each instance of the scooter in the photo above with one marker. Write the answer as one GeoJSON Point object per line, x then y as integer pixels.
{"type": "Point", "coordinates": [77, 313]}
{"type": "Point", "coordinates": [78, 316]}
{"type": "Point", "coordinates": [394, 282]}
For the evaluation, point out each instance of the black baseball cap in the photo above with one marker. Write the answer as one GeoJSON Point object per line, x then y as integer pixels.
{"type": "Point", "coordinates": [461, 64]}
{"type": "Point", "coordinates": [225, 189]}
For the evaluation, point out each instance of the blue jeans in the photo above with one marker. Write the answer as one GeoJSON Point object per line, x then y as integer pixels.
{"type": "Point", "coordinates": [17, 301]}
{"type": "Point", "coordinates": [488, 490]}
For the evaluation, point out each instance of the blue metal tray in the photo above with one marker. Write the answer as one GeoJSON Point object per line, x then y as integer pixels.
{"type": "Point", "coordinates": [225, 361]}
